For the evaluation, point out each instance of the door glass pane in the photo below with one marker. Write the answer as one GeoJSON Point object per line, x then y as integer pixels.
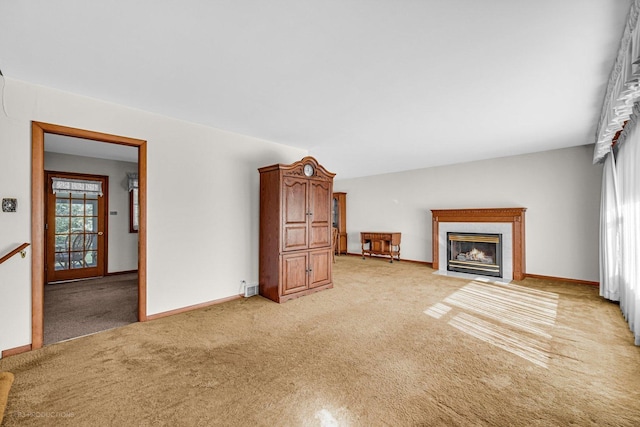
{"type": "Point", "coordinates": [91, 241]}
{"type": "Point", "coordinates": [91, 259]}
{"type": "Point", "coordinates": [91, 224]}
{"type": "Point", "coordinates": [62, 261]}
{"type": "Point", "coordinates": [62, 225]}
{"type": "Point", "coordinates": [77, 241]}
{"type": "Point", "coordinates": [91, 207]}
{"type": "Point", "coordinates": [77, 207]}
{"type": "Point", "coordinates": [77, 259]}
{"type": "Point", "coordinates": [77, 224]}
{"type": "Point", "coordinates": [62, 242]}
{"type": "Point", "coordinates": [62, 207]}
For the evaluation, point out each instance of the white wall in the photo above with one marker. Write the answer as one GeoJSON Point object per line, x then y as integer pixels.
{"type": "Point", "coordinates": [202, 200]}
{"type": "Point", "coordinates": [559, 188]}
{"type": "Point", "coordinates": [122, 253]}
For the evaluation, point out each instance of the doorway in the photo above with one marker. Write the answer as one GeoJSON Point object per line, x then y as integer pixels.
{"type": "Point", "coordinates": [39, 219]}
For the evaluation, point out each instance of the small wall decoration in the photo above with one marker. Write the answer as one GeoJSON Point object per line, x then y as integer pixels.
{"type": "Point", "coordinates": [9, 205]}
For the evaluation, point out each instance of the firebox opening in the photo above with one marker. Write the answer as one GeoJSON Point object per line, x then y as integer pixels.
{"type": "Point", "coordinates": [475, 253]}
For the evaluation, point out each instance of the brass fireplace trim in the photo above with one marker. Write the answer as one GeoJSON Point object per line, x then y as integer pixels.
{"type": "Point", "coordinates": [458, 237]}
{"type": "Point", "coordinates": [515, 216]}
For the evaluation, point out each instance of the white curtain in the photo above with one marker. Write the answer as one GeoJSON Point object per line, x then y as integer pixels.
{"type": "Point", "coordinates": [628, 179]}
{"type": "Point", "coordinates": [610, 264]}
{"type": "Point", "coordinates": [620, 205]}
{"type": "Point", "coordinates": [132, 180]}
{"type": "Point", "coordinates": [623, 87]}
{"type": "Point", "coordinates": [79, 186]}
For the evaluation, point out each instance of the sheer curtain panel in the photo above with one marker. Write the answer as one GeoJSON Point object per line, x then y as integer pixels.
{"type": "Point", "coordinates": [628, 179]}
{"type": "Point", "coordinates": [620, 203]}
{"type": "Point", "coordinates": [609, 233]}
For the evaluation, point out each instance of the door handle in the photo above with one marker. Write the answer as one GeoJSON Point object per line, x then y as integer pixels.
{"type": "Point", "coordinates": [100, 233]}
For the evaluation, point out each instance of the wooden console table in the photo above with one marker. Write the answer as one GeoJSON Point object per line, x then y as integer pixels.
{"type": "Point", "coordinates": [381, 243]}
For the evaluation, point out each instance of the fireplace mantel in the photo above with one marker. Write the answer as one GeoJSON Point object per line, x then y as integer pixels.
{"type": "Point", "coordinates": [515, 216]}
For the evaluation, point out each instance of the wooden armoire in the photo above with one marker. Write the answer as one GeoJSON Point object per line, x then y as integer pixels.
{"type": "Point", "coordinates": [295, 229]}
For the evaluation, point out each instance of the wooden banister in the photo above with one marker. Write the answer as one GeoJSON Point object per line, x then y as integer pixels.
{"type": "Point", "coordinates": [13, 252]}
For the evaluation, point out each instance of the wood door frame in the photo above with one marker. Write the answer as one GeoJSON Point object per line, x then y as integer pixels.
{"type": "Point", "coordinates": [38, 129]}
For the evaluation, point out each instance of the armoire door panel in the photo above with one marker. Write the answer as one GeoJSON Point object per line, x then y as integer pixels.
{"type": "Point", "coordinates": [320, 206]}
{"type": "Point", "coordinates": [321, 201]}
{"type": "Point", "coordinates": [294, 273]}
{"type": "Point", "coordinates": [295, 201]}
{"type": "Point", "coordinates": [295, 238]}
{"type": "Point", "coordinates": [295, 214]}
{"type": "Point", "coordinates": [320, 262]}
{"type": "Point", "coordinates": [320, 236]}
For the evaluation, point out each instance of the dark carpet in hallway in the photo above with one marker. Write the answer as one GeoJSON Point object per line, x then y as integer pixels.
{"type": "Point", "coordinates": [83, 307]}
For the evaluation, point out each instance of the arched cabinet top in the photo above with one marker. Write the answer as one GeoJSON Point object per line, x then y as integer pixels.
{"type": "Point", "coordinates": [297, 169]}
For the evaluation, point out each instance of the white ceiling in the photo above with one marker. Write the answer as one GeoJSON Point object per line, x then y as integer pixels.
{"type": "Point", "coordinates": [367, 86]}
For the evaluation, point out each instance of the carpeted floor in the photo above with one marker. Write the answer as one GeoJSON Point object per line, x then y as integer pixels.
{"type": "Point", "coordinates": [391, 344]}
{"type": "Point", "coordinates": [6, 379]}
{"type": "Point", "coordinates": [75, 309]}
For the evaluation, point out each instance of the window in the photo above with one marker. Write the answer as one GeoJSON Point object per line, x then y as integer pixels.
{"type": "Point", "coordinates": [134, 207]}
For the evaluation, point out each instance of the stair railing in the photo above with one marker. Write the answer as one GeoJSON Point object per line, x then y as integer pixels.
{"type": "Point", "coordinates": [20, 249]}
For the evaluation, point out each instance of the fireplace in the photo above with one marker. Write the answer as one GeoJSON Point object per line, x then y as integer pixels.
{"type": "Point", "coordinates": [475, 253]}
{"type": "Point", "coordinates": [508, 222]}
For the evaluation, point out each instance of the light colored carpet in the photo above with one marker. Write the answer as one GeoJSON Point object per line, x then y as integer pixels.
{"type": "Point", "coordinates": [390, 344]}
{"type": "Point", "coordinates": [75, 309]}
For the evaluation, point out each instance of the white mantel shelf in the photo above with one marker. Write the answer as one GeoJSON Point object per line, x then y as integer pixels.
{"type": "Point", "coordinates": [515, 216]}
